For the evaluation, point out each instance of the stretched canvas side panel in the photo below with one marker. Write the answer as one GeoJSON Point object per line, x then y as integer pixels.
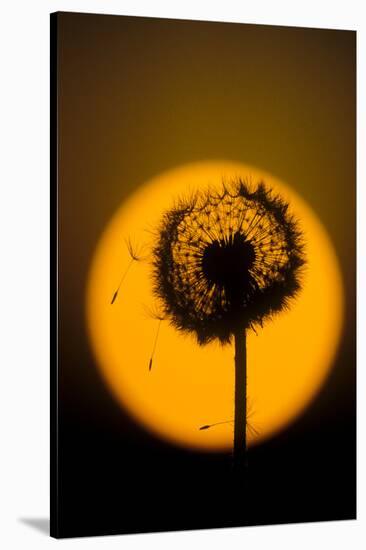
{"type": "Point", "coordinates": [54, 493]}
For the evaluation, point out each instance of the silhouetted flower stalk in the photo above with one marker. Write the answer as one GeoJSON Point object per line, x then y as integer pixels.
{"type": "Point", "coordinates": [225, 261]}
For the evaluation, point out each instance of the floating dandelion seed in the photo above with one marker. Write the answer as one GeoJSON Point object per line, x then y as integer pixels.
{"type": "Point", "coordinates": [135, 253]}
{"type": "Point", "coordinates": [225, 261]}
{"type": "Point", "coordinates": [156, 314]}
{"type": "Point", "coordinates": [250, 427]}
{"type": "Point", "coordinates": [154, 345]}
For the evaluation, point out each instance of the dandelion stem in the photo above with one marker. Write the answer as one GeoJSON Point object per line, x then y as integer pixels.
{"type": "Point", "coordinates": [240, 414]}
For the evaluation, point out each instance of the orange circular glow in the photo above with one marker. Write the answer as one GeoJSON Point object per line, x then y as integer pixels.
{"type": "Point", "coordinates": [188, 385]}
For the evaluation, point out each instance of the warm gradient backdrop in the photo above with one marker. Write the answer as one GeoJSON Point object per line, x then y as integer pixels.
{"type": "Point", "coordinates": [137, 97]}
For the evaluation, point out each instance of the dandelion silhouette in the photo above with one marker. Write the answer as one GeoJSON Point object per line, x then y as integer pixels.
{"type": "Point", "coordinates": [226, 261]}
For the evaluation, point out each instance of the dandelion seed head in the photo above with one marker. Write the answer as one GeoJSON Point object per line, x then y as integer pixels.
{"type": "Point", "coordinates": [226, 259]}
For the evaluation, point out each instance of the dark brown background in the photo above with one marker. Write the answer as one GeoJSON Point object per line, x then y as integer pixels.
{"type": "Point", "coordinates": [137, 96]}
